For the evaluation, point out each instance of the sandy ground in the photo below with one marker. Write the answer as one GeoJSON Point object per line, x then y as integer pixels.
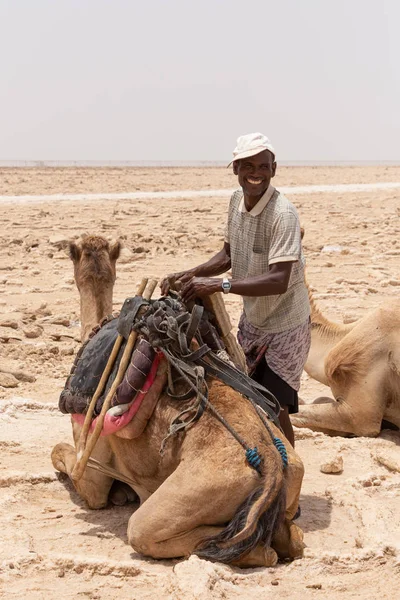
{"type": "Point", "coordinates": [51, 545]}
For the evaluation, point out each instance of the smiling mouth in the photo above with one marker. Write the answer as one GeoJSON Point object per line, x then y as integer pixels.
{"type": "Point", "coordinates": [254, 181]}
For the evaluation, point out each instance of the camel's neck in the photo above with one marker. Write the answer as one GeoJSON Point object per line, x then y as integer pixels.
{"type": "Point", "coordinates": [324, 336]}
{"type": "Point", "coordinates": [94, 307]}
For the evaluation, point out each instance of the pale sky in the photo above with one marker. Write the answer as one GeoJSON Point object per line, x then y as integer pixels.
{"type": "Point", "coordinates": [165, 80]}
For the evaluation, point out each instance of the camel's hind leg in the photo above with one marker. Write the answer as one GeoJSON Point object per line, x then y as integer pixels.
{"type": "Point", "coordinates": [94, 486]}
{"type": "Point", "coordinates": [293, 473]}
{"type": "Point", "coordinates": [187, 509]}
{"type": "Point", "coordinates": [288, 540]}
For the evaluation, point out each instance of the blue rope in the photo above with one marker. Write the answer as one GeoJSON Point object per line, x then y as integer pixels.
{"type": "Point", "coordinates": [253, 458]}
{"type": "Point", "coordinates": [252, 455]}
{"type": "Point", "coordinates": [280, 446]}
{"type": "Point", "coordinates": [278, 443]}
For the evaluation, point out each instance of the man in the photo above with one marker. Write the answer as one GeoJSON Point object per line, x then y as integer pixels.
{"type": "Point", "coordinates": [263, 248]}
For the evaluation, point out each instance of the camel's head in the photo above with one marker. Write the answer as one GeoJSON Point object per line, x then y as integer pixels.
{"type": "Point", "coordinates": [94, 261]}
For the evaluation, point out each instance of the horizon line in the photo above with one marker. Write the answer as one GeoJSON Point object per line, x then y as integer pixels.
{"type": "Point", "coordinates": [183, 163]}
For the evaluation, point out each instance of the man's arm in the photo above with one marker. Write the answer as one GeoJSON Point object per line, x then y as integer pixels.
{"type": "Point", "coordinates": [272, 283]}
{"type": "Point", "coordinates": [220, 263]}
{"type": "Point", "coordinates": [285, 248]}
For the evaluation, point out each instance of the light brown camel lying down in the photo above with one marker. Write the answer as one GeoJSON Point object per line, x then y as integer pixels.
{"type": "Point", "coordinates": [360, 362]}
{"type": "Point", "coordinates": [201, 496]}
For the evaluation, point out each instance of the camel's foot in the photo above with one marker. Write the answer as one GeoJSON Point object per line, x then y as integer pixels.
{"type": "Point", "coordinates": [288, 541]}
{"type": "Point", "coordinates": [93, 487]}
{"type": "Point", "coordinates": [296, 545]}
{"type": "Point", "coordinates": [61, 455]}
{"type": "Point", "coordinates": [258, 557]}
{"type": "Point", "coordinates": [121, 493]}
{"type": "Point", "coordinates": [271, 557]}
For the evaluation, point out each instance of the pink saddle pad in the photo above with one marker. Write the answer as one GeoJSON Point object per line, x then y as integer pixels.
{"type": "Point", "coordinates": [113, 423]}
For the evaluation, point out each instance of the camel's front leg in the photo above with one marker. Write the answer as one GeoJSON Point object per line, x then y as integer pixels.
{"type": "Point", "coordinates": [360, 414]}
{"type": "Point", "coordinates": [94, 486]}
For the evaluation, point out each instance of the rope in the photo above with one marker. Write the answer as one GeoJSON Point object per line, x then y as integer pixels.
{"type": "Point", "coordinates": [205, 400]}
{"type": "Point", "coordinates": [172, 334]}
{"type": "Point", "coordinates": [280, 446]}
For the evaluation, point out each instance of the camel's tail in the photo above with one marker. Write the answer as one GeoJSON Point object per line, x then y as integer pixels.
{"type": "Point", "coordinates": [255, 522]}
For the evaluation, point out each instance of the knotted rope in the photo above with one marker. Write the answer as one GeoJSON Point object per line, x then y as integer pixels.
{"type": "Point", "coordinates": [170, 328]}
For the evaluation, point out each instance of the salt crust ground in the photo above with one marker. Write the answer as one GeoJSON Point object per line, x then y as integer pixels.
{"type": "Point", "coordinates": [51, 546]}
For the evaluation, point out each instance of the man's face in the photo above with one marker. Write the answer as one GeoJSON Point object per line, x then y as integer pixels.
{"type": "Point", "coordinates": [255, 173]}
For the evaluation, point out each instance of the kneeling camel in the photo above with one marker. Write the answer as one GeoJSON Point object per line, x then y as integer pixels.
{"type": "Point", "coordinates": [200, 496]}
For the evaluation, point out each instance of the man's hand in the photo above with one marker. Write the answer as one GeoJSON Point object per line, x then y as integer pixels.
{"type": "Point", "coordinates": [170, 280]}
{"type": "Point", "coordinates": [197, 287]}
{"type": "Point", "coordinates": [218, 264]}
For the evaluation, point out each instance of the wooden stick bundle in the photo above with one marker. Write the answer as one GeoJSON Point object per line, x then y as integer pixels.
{"type": "Point", "coordinates": [84, 447]}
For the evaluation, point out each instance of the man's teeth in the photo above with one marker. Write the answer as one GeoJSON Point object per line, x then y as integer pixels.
{"type": "Point", "coordinates": [254, 181]}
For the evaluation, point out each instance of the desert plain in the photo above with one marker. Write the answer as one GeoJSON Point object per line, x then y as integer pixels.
{"type": "Point", "coordinates": [51, 544]}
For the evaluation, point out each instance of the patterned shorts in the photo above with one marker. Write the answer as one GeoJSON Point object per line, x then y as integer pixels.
{"type": "Point", "coordinates": [285, 352]}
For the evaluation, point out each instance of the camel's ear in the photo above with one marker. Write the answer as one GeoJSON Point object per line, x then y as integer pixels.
{"type": "Point", "coordinates": [74, 252]}
{"type": "Point", "coordinates": [115, 250]}
{"type": "Point", "coordinates": [301, 232]}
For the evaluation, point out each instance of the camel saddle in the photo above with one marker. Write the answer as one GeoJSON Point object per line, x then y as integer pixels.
{"type": "Point", "coordinates": [93, 356]}
{"type": "Point", "coordinates": [188, 341]}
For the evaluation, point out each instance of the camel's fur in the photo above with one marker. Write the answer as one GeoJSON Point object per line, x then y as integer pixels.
{"type": "Point", "coordinates": [360, 362]}
{"type": "Point", "coordinates": [194, 491]}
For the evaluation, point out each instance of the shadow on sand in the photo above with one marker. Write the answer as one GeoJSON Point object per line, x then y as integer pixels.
{"type": "Point", "coordinates": [113, 520]}
{"type": "Point", "coordinates": [315, 513]}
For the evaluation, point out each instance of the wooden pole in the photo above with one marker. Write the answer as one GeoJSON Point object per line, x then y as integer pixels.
{"type": "Point", "coordinates": [87, 449]}
{"type": "Point", "coordinates": [103, 380]}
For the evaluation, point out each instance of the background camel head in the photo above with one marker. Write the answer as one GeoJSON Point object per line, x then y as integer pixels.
{"type": "Point", "coordinates": [94, 261]}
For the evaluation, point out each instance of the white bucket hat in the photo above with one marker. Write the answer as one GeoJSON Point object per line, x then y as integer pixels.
{"type": "Point", "coordinates": [251, 144]}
